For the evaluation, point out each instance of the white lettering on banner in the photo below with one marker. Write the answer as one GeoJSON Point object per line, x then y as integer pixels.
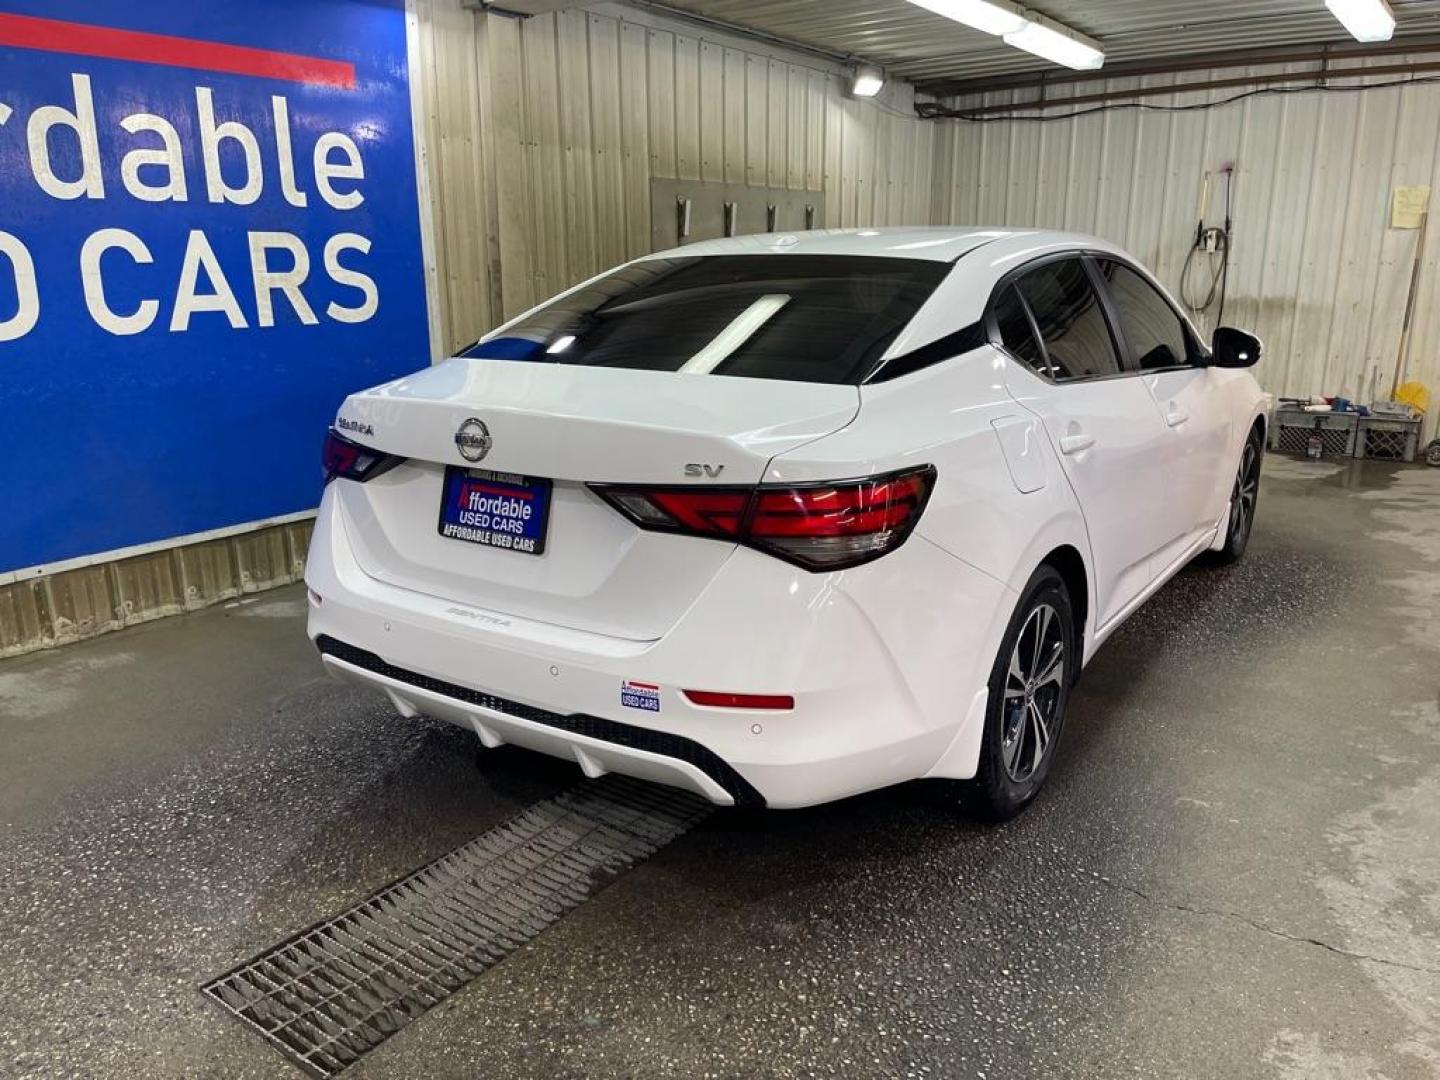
{"type": "Point", "coordinates": [152, 168]}
{"type": "Point", "coordinates": [199, 253]}
{"type": "Point", "coordinates": [293, 195]}
{"type": "Point", "coordinates": [96, 244]}
{"type": "Point", "coordinates": [335, 157]}
{"type": "Point", "coordinates": [211, 136]}
{"type": "Point", "coordinates": [343, 275]}
{"type": "Point", "coordinates": [82, 122]}
{"type": "Point", "coordinates": [23, 267]}
{"type": "Point", "coordinates": [325, 169]}
{"type": "Point", "coordinates": [288, 282]}
{"type": "Point", "coordinates": [166, 157]}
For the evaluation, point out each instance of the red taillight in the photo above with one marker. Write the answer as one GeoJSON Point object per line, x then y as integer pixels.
{"type": "Point", "coordinates": [351, 461]}
{"type": "Point", "coordinates": [716, 699]}
{"type": "Point", "coordinates": [718, 512]}
{"type": "Point", "coordinates": [825, 526]}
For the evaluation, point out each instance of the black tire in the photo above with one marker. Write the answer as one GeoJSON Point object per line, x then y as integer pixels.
{"type": "Point", "coordinates": [1244, 501]}
{"type": "Point", "coordinates": [1010, 772]}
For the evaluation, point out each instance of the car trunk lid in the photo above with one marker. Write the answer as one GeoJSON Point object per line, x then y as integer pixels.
{"type": "Point", "coordinates": [572, 426]}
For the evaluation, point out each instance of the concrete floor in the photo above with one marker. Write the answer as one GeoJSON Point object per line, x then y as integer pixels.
{"type": "Point", "coordinates": [1234, 872]}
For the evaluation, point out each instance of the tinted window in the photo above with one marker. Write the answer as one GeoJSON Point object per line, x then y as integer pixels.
{"type": "Point", "coordinates": [1149, 325]}
{"type": "Point", "coordinates": [1015, 332]}
{"type": "Point", "coordinates": [1070, 320]}
{"type": "Point", "coordinates": [810, 318]}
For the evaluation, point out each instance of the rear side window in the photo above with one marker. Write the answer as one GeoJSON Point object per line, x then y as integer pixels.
{"type": "Point", "coordinates": [807, 318]}
{"type": "Point", "coordinates": [1016, 333]}
{"type": "Point", "coordinates": [1070, 320]}
{"type": "Point", "coordinates": [1156, 337]}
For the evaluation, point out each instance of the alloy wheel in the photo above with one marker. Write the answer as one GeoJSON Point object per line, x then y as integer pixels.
{"type": "Point", "coordinates": [1033, 687]}
{"type": "Point", "coordinates": [1244, 495]}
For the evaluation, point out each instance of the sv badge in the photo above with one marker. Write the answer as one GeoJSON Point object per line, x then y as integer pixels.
{"type": "Point", "coordinates": [711, 471]}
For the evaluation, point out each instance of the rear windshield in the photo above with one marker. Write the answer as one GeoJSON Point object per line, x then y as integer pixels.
{"type": "Point", "coordinates": [806, 318]}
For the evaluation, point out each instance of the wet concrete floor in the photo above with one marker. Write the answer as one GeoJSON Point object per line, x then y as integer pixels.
{"type": "Point", "coordinates": [1234, 872]}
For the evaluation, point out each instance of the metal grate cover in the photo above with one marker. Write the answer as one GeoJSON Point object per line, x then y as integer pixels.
{"type": "Point", "coordinates": [331, 994]}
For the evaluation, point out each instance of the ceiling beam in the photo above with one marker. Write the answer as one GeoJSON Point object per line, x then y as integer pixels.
{"type": "Point", "coordinates": [1321, 53]}
{"type": "Point", "coordinates": [1319, 77]}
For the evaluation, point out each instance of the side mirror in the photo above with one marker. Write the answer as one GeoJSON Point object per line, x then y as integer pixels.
{"type": "Point", "coordinates": [1234, 348]}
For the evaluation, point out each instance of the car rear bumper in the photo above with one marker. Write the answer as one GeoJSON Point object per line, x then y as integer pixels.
{"type": "Point", "coordinates": [884, 663]}
{"type": "Point", "coordinates": [597, 745]}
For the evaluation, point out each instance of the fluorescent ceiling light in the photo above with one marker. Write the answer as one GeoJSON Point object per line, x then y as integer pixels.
{"type": "Point", "coordinates": [991, 16]}
{"type": "Point", "coordinates": [1033, 32]}
{"type": "Point", "coordinates": [1058, 44]}
{"type": "Point", "coordinates": [868, 81]}
{"type": "Point", "coordinates": [1367, 20]}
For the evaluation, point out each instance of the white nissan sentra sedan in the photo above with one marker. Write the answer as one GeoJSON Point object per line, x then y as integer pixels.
{"type": "Point", "coordinates": [784, 518]}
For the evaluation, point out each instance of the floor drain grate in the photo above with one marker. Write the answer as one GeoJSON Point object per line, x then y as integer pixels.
{"type": "Point", "coordinates": [333, 993]}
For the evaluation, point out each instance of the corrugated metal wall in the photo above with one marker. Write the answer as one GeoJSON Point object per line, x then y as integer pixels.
{"type": "Point", "coordinates": [1315, 269]}
{"type": "Point", "coordinates": [544, 133]}
{"type": "Point", "coordinates": [77, 604]}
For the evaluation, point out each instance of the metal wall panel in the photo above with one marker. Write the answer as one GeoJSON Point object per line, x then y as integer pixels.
{"type": "Point", "coordinates": [72, 605]}
{"type": "Point", "coordinates": [706, 210]}
{"type": "Point", "coordinates": [1315, 269]}
{"type": "Point", "coordinates": [545, 132]}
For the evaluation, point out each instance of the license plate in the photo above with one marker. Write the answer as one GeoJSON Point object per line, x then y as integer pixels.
{"type": "Point", "coordinates": [499, 510]}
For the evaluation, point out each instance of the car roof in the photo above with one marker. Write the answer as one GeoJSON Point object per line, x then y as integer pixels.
{"type": "Point", "coordinates": [940, 244]}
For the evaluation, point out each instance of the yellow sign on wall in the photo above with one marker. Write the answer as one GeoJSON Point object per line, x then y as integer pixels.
{"type": "Point", "coordinates": [1407, 207]}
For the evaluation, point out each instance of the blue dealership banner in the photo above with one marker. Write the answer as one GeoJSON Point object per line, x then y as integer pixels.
{"type": "Point", "coordinates": [209, 234]}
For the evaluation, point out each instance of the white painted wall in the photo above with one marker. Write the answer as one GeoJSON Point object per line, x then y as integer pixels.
{"type": "Point", "coordinates": [1315, 269]}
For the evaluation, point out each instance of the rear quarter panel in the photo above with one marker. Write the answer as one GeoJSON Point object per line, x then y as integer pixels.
{"type": "Point", "coordinates": [945, 416]}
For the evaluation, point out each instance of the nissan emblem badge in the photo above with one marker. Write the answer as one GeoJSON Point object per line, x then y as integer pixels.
{"type": "Point", "coordinates": [473, 439]}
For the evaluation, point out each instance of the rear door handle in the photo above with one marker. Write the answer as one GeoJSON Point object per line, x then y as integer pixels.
{"type": "Point", "coordinates": [1073, 444]}
{"type": "Point", "coordinates": [1175, 416]}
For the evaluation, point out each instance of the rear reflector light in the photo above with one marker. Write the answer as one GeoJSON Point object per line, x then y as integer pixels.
{"type": "Point", "coordinates": [351, 461]}
{"type": "Point", "coordinates": [821, 526]}
{"type": "Point", "coordinates": [716, 699]}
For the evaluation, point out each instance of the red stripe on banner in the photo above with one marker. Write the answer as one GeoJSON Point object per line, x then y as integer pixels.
{"type": "Point", "coordinates": [54, 35]}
